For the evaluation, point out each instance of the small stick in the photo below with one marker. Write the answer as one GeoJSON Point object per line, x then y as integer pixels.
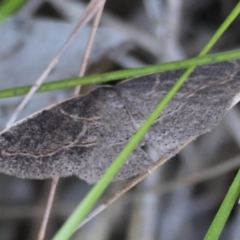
{"type": "Point", "coordinates": [130, 185]}
{"type": "Point", "coordinates": [52, 192]}
{"type": "Point", "coordinates": [89, 46]}
{"type": "Point", "coordinates": [81, 73]}
{"type": "Point", "coordinates": [92, 8]}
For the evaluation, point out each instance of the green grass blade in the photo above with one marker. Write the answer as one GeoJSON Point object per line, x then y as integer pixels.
{"type": "Point", "coordinates": [224, 211]}
{"type": "Point", "coordinates": [85, 206]}
{"type": "Point", "coordinates": [113, 76]}
{"type": "Point", "coordinates": [8, 7]}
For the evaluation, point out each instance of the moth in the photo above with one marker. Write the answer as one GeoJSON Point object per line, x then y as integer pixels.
{"type": "Point", "coordinates": [81, 136]}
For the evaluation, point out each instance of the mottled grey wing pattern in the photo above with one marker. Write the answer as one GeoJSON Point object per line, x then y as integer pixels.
{"type": "Point", "coordinates": [83, 135]}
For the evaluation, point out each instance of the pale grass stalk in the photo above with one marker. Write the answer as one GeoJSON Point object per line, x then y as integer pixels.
{"type": "Point", "coordinates": [198, 177]}
{"type": "Point", "coordinates": [89, 46]}
{"type": "Point", "coordinates": [130, 185]}
{"type": "Point", "coordinates": [52, 192]}
{"type": "Point", "coordinates": [91, 9]}
{"type": "Point", "coordinates": [77, 90]}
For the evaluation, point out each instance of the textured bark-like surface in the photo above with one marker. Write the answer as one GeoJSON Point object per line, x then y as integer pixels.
{"type": "Point", "coordinates": [83, 135]}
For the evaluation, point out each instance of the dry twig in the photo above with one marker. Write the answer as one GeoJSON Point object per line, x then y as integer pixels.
{"type": "Point", "coordinates": [130, 185]}
{"type": "Point", "coordinates": [88, 14]}
{"type": "Point", "coordinates": [77, 90]}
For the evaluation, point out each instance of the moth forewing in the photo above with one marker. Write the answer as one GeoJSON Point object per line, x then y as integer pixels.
{"type": "Point", "coordinates": [81, 136]}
